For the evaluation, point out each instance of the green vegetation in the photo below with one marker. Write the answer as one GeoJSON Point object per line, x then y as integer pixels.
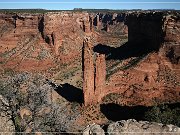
{"type": "Point", "coordinates": [18, 124]}
{"type": "Point", "coordinates": [33, 11]}
{"type": "Point", "coordinates": [79, 84]}
{"type": "Point", "coordinates": [75, 107]}
{"type": "Point", "coordinates": [164, 114]}
{"type": "Point", "coordinates": [23, 11]}
{"type": "Point", "coordinates": [9, 71]}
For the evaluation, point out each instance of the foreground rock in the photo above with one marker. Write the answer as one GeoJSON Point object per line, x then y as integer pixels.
{"type": "Point", "coordinates": [93, 129]}
{"type": "Point", "coordinates": [133, 127]}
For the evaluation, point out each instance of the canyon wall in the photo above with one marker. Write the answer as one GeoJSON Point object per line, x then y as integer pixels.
{"type": "Point", "coordinates": [154, 77]}
{"type": "Point", "coordinates": [111, 22]}
{"type": "Point", "coordinates": [38, 40]}
{"type": "Point", "coordinates": [14, 27]}
{"type": "Point", "coordinates": [59, 27]}
{"type": "Point", "coordinates": [21, 43]}
{"type": "Point", "coordinates": [52, 42]}
{"type": "Point", "coordinates": [172, 38]}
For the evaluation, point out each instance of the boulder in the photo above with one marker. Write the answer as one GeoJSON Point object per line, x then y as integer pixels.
{"type": "Point", "coordinates": [93, 129]}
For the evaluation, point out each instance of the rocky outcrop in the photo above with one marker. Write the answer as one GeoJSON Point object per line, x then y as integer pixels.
{"type": "Point", "coordinates": [93, 77]}
{"type": "Point", "coordinates": [115, 23]}
{"type": "Point", "coordinates": [65, 31]}
{"type": "Point", "coordinates": [171, 27]}
{"type": "Point", "coordinates": [88, 73]}
{"type": "Point", "coordinates": [133, 127]}
{"type": "Point", "coordinates": [172, 38]}
{"type": "Point", "coordinates": [93, 129]}
{"type": "Point", "coordinates": [19, 25]}
{"type": "Point", "coordinates": [100, 76]}
{"type": "Point", "coordinates": [23, 44]}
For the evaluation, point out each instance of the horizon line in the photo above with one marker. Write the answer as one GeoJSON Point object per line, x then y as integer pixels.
{"type": "Point", "coordinates": [90, 9]}
{"type": "Point", "coordinates": [91, 2]}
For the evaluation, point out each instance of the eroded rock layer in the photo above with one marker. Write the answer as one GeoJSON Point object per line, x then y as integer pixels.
{"type": "Point", "coordinates": [142, 51]}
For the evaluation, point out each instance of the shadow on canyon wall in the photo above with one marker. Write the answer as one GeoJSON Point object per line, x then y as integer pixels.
{"type": "Point", "coordinates": [116, 112]}
{"type": "Point", "coordinates": [125, 51]}
{"type": "Point", "coordinates": [145, 34]}
{"type": "Point", "coordinates": [108, 18]}
{"type": "Point", "coordinates": [70, 93]}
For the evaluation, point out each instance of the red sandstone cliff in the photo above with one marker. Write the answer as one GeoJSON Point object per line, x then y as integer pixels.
{"type": "Point", "coordinates": [37, 39]}
{"type": "Point", "coordinates": [88, 74]}
{"type": "Point", "coordinates": [52, 43]}
{"type": "Point", "coordinates": [100, 76]}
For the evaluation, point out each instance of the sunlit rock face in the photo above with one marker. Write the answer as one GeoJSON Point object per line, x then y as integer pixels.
{"type": "Point", "coordinates": [141, 51]}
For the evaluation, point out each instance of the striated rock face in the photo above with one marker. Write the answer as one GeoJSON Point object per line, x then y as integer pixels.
{"type": "Point", "coordinates": [40, 38]}
{"type": "Point", "coordinates": [172, 26]}
{"type": "Point", "coordinates": [22, 44]}
{"type": "Point", "coordinates": [111, 22]}
{"type": "Point", "coordinates": [51, 43]}
{"type": "Point", "coordinates": [24, 22]}
{"type": "Point", "coordinates": [63, 29]}
{"type": "Point", "coordinates": [137, 62]}
{"type": "Point", "coordinates": [172, 38]}
{"type": "Point", "coordinates": [19, 26]}
{"type": "Point", "coordinates": [133, 127]}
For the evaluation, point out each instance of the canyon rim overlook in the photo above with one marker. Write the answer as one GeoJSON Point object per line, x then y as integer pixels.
{"type": "Point", "coordinates": [64, 70]}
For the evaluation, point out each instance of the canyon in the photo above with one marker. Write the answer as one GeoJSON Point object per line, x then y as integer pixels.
{"type": "Point", "coordinates": [128, 58]}
{"type": "Point", "coordinates": [46, 42]}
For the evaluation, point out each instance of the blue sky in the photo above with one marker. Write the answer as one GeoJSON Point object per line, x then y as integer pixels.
{"type": "Point", "coordinates": [96, 4]}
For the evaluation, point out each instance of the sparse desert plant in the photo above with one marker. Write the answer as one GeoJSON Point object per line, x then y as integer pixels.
{"type": "Point", "coordinates": [45, 115]}
{"type": "Point", "coordinates": [12, 99]}
{"type": "Point", "coordinates": [164, 114]}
